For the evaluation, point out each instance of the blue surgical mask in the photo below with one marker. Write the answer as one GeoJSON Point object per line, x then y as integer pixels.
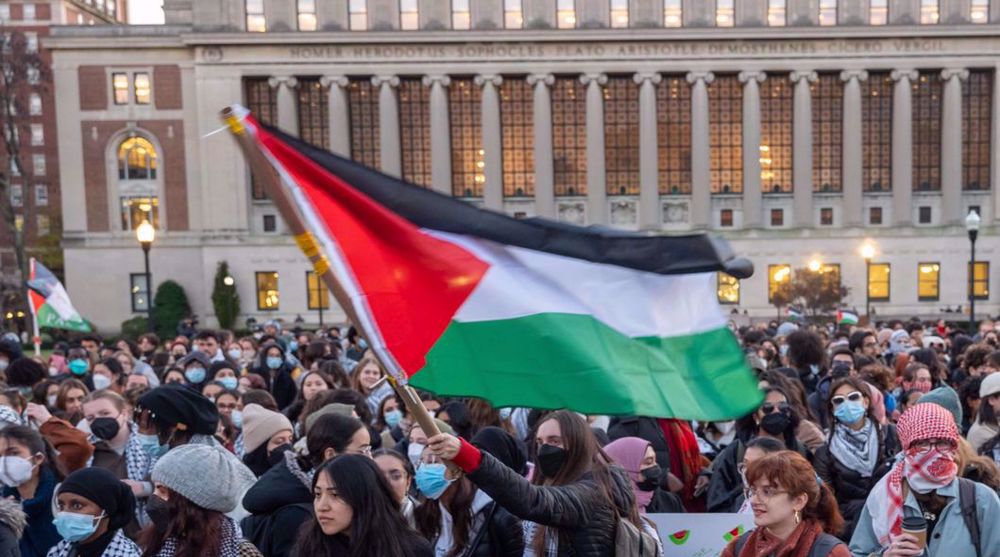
{"type": "Point", "coordinates": [849, 412]}
{"type": "Point", "coordinates": [78, 366]}
{"type": "Point", "coordinates": [431, 481]}
{"type": "Point", "coordinates": [392, 417]}
{"type": "Point", "coordinates": [74, 527]}
{"type": "Point", "coordinates": [151, 444]}
{"type": "Point", "coordinates": [505, 413]}
{"type": "Point", "coordinates": [237, 417]}
{"type": "Point", "coordinates": [229, 382]}
{"type": "Point", "coordinates": [195, 374]}
{"type": "Point", "coordinates": [274, 362]}
{"type": "Point", "coordinates": [362, 344]}
{"type": "Point", "coordinates": [293, 346]}
{"type": "Point", "coordinates": [235, 354]}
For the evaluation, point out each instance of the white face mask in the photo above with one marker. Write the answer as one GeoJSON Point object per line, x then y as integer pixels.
{"type": "Point", "coordinates": [101, 381]}
{"type": "Point", "coordinates": [53, 371]}
{"type": "Point", "coordinates": [413, 452]}
{"type": "Point", "coordinates": [51, 400]}
{"type": "Point", "coordinates": [15, 470]}
{"type": "Point", "coordinates": [725, 427]}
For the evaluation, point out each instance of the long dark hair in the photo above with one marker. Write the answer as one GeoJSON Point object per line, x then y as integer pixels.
{"type": "Point", "coordinates": [747, 427]}
{"type": "Point", "coordinates": [24, 435]}
{"type": "Point", "coordinates": [459, 505]}
{"type": "Point", "coordinates": [197, 530]}
{"type": "Point", "coordinates": [377, 528]}
{"type": "Point", "coordinates": [331, 431]}
{"type": "Point", "coordinates": [859, 386]}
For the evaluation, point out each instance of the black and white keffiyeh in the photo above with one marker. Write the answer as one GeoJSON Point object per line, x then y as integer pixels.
{"type": "Point", "coordinates": [120, 546]}
{"type": "Point", "coordinates": [856, 450]}
{"type": "Point", "coordinates": [551, 542]}
{"type": "Point", "coordinates": [230, 540]}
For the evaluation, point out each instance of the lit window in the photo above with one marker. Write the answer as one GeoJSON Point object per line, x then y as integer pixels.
{"type": "Point", "coordinates": [359, 15]}
{"type": "Point", "coordinates": [31, 42]}
{"type": "Point", "coordinates": [29, 12]}
{"type": "Point", "coordinates": [981, 280]}
{"type": "Point", "coordinates": [827, 12]}
{"type": "Point", "coordinates": [307, 15]}
{"type": "Point", "coordinates": [37, 135]}
{"type": "Point", "coordinates": [16, 195]}
{"type": "Point", "coordinates": [566, 14]}
{"type": "Point", "coordinates": [878, 282]}
{"type": "Point", "coordinates": [980, 11]}
{"type": "Point", "coordinates": [141, 88]}
{"type": "Point", "coordinates": [139, 291]}
{"type": "Point", "coordinates": [777, 277]}
{"type": "Point", "coordinates": [619, 13]}
{"type": "Point", "coordinates": [513, 16]}
{"type": "Point", "coordinates": [776, 13]}
{"type": "Point", "coordinates": [727, 288]}
{"type": "Point", "coordinates": [38, 165]}
{"type": "Point", "coordinates": [409, 16]}
{"type": "Point", "coordinates": [460, 17]}
{"type": "Point", "coordinates": [35, 104]}
{"type": "Point", "coordinates": [267, 291]}
{"type": "Point", "coordinates": [317, 294]}
{"type": "Point", "coordinates": [878, 12]}
{"type": "Point", "coordinates": [725, 13]}
{"type": "Point", "coordinates": [256, 23]}
{"type": "Point", "coordinates": [41, 195]}
{"type": "Point", "coordinates": [119, 83]}
{"type": "Point", "coordinates": [136, 209]}
{"type": "Point", "coordinates": [136, 159]}
{"type": "Point", "coordinates": [42, 227]}
{"type": "Point", "coordinates": [672, 13]}
{"type": "Point", "coordinates": [928, 282]}
{"type": "Point", "coordinates": [928, 12]}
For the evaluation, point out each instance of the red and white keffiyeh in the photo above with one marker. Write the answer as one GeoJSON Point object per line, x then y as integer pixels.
{"type": "Point", "coordinates": [923, 471]}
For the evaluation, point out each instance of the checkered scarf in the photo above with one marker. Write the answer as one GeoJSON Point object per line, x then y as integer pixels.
{"type": "Point", "coordinates": [230, 540]}
{"type": "Point", "coordinates": [922, 471]}
{"type": "Point", "coordinates": [120, 546]}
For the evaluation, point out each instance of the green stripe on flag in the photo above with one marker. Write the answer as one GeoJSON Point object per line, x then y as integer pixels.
{"type": "Point", "coordinates": [556, 360]}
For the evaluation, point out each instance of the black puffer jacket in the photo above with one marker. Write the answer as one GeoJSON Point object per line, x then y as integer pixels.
{"type": "Point", "coordinates": [850, 488]}
{"type": "Point", "coordinates": [501, 535]}
{"type": "Point", "coordinates": [586, 522]}
{"type": "Point", "coordinates": [279, 503]}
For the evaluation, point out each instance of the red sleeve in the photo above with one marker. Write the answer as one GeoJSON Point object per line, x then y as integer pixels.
{"type": "Point", "coordinates": [468, 457]}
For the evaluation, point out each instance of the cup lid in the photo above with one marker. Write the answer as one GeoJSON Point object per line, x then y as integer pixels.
{"type": "Point", "coordinates": [915, 523]}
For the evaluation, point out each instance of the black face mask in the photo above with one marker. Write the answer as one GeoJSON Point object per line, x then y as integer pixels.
{"type": "Point", "coordinates": [105, 428]}
{"type": "Point", "coordinates": [775, 423]}
{"type": "Point", "coordinates": [650, 479]}
{"type": "Point", "coordinates": [551, 459]}
{"type": "Point", "coordinates": [158, 513]}
{"type": "Point", "coordinates": [278, 454]}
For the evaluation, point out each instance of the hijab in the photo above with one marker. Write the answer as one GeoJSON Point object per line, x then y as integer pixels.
{"type": "Point", "coordinates": [629, 452]}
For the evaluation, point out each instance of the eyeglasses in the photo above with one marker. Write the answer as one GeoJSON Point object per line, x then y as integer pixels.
{"type": "Point", "coordinates": [854, 396]}
{"type": "Point", "coordinates": [925, 445]}
{"type": "Point", "coordinates": [765, 493]}
{"type": "Point", "coordinates": [770, 407]}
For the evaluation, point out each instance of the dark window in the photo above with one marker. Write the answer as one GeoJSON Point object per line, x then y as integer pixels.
{"type": "Point", "coordinates": [777, 217]}
{"type": "Point", "coordinates": [415, 130]}
{"type": "Point", "coordinates": [827, 115]}
{"type": "Point", "coordinates": [569, 136]}
{"type": "Point", "coordinates": [314, 120]}
{"type": "Point", "coordinates": [725, 130]}
{"type": "Point", "coordinates": [876, 132]}
{"type": "Point", "coordinates": [776, 134]}
{"type": "Point", "coordinates": [673, 133]}
{"type": "Point", "coordinates": [621, 136]}
{"type": "Point", "coordinates": [362, 98]}
{"type": "Point", "coordinates": [139, 290]}
{"type": "Point", "coordinates": [826, 216]}
{"type": "Point", "coordinates": [977, 117]}
{"type": "Point", "coordinates": [927, 132]}
{"type": "Point", "coordinates": [262, 101]}
{"type": "Point", "coordinates": [874, 215]}
{"type": "Point", "coordinates": [924, 216]}
{"type": "Point", "coordinates": [518, 130]}
{"type": "Point", "coordinates": [270, 223]}
{"type": "Point", "coordinates": [726, 218]}
{"type": "Point", "coordinates": [466, 122]}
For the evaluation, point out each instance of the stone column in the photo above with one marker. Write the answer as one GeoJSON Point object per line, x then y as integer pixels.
{"type": "Point", "coordinates": [902, 147]}
{"type": "Point", "coordinates": [951, 146]}
{"type": "Point", "coordinates": [288, 114]}
{"type": "Point", "coordinates": [492, 141]}
{"type": "Point", "coordinates": [649, 190]}
{"type": "Point", "coordinates": [440, 133]}
{"type": "Point", "coordinates": [545, 200]}
{"type": "Point", "coordinates": [338, 113]}
{"type": "Point", "coordinates": [597, 197]}
{"type": "Point", "coordinates": [390, 150]}
{"type": "Point", "coordinates": [701, 191]}
{"type": "Point", "coordinates": [752, 200]}
{"type": "Point", "coordinates": [851, 139]}
{"type": "Point", "coordinates": [802, 152]}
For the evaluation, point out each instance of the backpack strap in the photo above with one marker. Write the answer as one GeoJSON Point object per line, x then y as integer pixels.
{"type": "Point", "coordinates": [740, 542]}
{"type": "Point", "coordinates": [967, 502]}
{"type": "Point", "coordinates": [823, 545]}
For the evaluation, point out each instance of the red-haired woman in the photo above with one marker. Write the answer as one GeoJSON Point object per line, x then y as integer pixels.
{"type": "Point", "coordinates": [792, 510]}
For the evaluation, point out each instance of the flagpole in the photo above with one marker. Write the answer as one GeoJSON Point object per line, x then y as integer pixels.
{"type": "Point", "coordinates": [268, 177]}
{"type": "Point", "coordinates": [36, 337]}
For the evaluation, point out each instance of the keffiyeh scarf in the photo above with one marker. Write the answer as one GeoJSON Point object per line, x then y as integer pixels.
{"type": "Point", "coordinates": [856, 450]}
{"type": "Point", "coordinates": [229, 541]}
{"type": "Point", "coordinates": [551, 541]}
{"type": "Point", "coordinates": [120, 546]}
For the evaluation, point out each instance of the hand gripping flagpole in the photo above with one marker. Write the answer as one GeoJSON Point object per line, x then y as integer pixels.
{"type": "Point", "coordinates": [266, 174]}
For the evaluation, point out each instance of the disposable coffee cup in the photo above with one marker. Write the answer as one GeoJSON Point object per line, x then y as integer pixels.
{"type": "Point", "coordinates": [916, 526]}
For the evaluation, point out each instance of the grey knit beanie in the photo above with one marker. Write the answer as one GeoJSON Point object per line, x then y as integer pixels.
{"type": "Point", "coordinates": [210, 477]}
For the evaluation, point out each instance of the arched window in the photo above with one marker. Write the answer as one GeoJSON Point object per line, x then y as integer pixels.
{"type": "Point", "coordinates": [136, 159]}
{"type": "Point", "coordinates": [138, 195]}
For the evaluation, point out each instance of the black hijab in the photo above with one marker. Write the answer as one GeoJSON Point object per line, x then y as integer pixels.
{"type": "Point", "coordinates": [504, 447]}
{"type": "Point", "coordinates": [108, 492]}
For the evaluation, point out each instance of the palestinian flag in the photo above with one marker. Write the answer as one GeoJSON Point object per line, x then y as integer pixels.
{"type": "Point", "coordinates": [532, 313]}
{"type": "Point", "coordinates": [50, 303]}
{"type": "Point", "coordinates": [795, 314]}
{"type": "Point", "coordinates": [845, 317]}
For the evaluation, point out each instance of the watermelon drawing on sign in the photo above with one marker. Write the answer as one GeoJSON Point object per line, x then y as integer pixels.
{"type": "Point", "coordinates": [733, 534]}
{"type": "Point", "coordinates": [681, 537]}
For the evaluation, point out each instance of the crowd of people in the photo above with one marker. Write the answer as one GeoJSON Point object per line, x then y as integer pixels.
{"type": "Point", "coordinates": [879, 440]}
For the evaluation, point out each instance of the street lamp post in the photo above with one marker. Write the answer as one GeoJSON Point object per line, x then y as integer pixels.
{"type": "Point", "coordinates": [868, 253]}
{"type": "Point", "coordinates": [972, 226]}
{"type": "Point", "coordinates": [145, 233]}
{"type": "Point", "coordinates": [229, 281]}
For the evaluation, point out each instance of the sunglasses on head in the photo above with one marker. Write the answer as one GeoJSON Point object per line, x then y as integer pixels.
{"type": "Point", "coordinates": [853, 397]}
{"type": "Point", "coordinates": [769, 407]}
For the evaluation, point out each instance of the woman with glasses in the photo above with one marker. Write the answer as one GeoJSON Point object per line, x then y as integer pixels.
{"type": "Point", "coordinates": [776, 419]}
{"type": "Point", "coordinates": [859, 450]}
{"type": "Point", "coordinates": [794, 514]}
{"type": "Point", "coordinates": [924, 484]}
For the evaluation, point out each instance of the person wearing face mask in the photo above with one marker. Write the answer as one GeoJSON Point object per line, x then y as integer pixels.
{"type": "Point", "coordinates": [195, 366]}
{"type": "Point", "coordinates": [925, 484]}
{"type": "Point", "coordinates": [277, 373]}
{"type": "Point", "coordinates": [79, 362]}
{"type": "Point", "coordinates": [29, 472]}
{"type": "Point", "coordinates": [174, 415]}
{"type": "Point", "coordinates": [713, 437]}
{"type": "Point", "coordinates": [637, 458]}
{"type": "Point", "coordinates": [267, 436]}
{"type": "Point", "coordinates": [575, 498]}
{"type": "Point", "coordinates": [986, 425]}
{"type": "Point", "coordinates": [225, 372]}
{"type": "Point", "coordinates": [93, 509]}
{"type": "Point", "coordinates": [859, 450]}
{"type": "Point", "coordinates": [108, 374]}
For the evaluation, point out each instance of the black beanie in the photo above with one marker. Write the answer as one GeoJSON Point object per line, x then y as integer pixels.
{"type": "Point", "coordinates": [181, 406]}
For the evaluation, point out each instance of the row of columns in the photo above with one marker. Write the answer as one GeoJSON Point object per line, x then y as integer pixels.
{"type": "Point", "coordinates": [700, 209]}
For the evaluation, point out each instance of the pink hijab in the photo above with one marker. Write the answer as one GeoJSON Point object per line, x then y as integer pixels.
{"type": "Point", "coordinates": [628, 453]}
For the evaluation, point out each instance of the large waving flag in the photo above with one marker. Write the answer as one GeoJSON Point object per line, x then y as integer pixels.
{"type": "Point", "coordinates": [467, 302]}
{"type": "Point", "coordinates": [49, 302]}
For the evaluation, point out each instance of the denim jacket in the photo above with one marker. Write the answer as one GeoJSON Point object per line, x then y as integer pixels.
{"type": "Point", "coordinates": [950, 537]}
